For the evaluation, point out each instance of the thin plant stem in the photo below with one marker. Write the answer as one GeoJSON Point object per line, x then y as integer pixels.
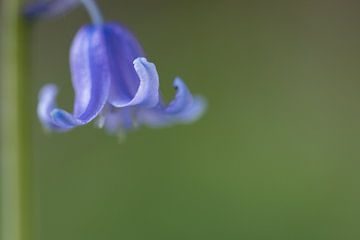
{"type": "Point", "coordinates": [15, 124]}
{"type": "Point", "coordinates": [94, 11]}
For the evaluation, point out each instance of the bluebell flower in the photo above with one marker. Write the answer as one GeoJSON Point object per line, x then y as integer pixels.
{"type": "Point", "coordinates": [113, 82]}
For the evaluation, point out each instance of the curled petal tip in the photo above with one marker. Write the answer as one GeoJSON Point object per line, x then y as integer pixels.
{"type": "Point", "coordinates": [147, 94]}
{"type": "Point", "coordinates": [51, 117]}
{"type": "Point", "coordinates": [46, 104]}
{"type": "Point", "coordinates": [183, 109]}
{"type": "Point", "coordinates": [183, 97]}
{"type": "Point", "coordinates": [177, 82]}
{"type": "Point", "coordinates": [140, 60]}
{"type": "Point", "coordinates": [48, 91]}
{"type": "Point", "coordinates": [63, 119]}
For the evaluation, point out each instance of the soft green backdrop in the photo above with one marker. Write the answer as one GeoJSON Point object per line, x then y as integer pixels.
{"type": "Point", "coordinates": [276, 156]}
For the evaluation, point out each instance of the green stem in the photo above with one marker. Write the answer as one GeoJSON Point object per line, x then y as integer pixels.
{"type": "Point", "coordinates": [15, 127]}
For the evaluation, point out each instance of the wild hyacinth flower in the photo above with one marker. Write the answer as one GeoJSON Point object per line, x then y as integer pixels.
{"type": "Point", "coordinates": [113, 81]}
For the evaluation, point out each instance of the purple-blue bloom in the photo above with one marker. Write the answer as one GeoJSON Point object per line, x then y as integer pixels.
{"type": "Point", "coordinates": [112, 79]}
{"type": "Point", "coordinates": [115, 83]}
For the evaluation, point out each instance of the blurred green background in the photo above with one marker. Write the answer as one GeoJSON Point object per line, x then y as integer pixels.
{"type": "Point", "coordinates": [276, 156]}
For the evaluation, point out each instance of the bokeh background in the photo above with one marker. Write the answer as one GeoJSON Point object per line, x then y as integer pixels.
{"type": "Point", "coordinates": [276, 156]}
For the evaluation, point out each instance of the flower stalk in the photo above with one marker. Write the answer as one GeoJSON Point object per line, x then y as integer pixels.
{"type": "Point", "coordinates": [93, 11]}
{"type": "Point", "coordinates": [15, 124]}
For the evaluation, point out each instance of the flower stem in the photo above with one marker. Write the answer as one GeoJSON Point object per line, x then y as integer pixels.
{"type": "Point", "coordinates": [15, 124]}
{"type": "Point", "coordinates": [93, 11]}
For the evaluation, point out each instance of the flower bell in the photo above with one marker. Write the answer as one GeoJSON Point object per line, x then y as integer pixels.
{"type": "Point", "coordinates": [114, 82]}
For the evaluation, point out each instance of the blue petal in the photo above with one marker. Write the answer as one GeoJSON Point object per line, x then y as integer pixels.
{"type": "Point", "coordinates": [90, 72]}
{"type": "Point", "coordinates": [192, 112]}
{"type": "Point", "coordinates": [48, 113]}
{"type": "Point", "coordinates": [183, 109]}
{"type": "Point", "coordinates": [64, 120]}
{"type": "Point", "coordinates": [129, 77]}
{"type": "Point", "coordinates": [182, 99]}
{"type": "Point", "coordinates": [49, 8]}
{"type": "Point", "coordinates": [46, 104]}
{"type": "Point", "coordinates": [91, 82]}
{"type": "Point", "coordinates": [147, 94]}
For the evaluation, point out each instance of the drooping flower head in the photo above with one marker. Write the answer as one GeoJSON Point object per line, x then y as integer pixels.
{"type": "Point", "coordinates": [113, 82]}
